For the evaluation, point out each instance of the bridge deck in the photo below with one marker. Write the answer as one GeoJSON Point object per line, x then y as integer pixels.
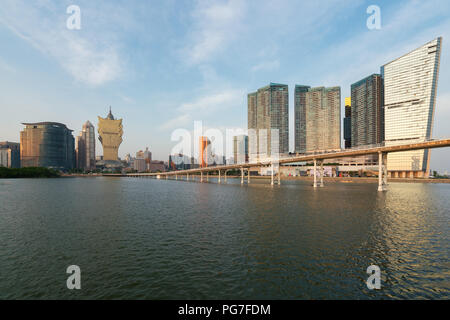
{"type": "Point", "coordinates": [320, 156]}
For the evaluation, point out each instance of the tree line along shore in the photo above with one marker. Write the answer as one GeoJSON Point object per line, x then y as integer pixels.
{"type": "Point", "coordinates": [30, 172]}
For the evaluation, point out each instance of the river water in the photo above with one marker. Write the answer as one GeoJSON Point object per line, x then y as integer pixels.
{"type": "Point", "coordinates": [156, 239]}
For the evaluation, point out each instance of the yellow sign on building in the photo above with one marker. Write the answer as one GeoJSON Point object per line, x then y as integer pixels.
{"type": "Point", "coordinates": [348, 101]}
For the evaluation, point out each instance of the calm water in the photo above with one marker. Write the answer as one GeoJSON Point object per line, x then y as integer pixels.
{"type": "Point", "coordinates": [148, 239]}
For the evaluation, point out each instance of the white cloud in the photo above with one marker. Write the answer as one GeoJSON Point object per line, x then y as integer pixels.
{"type": "Point", "coordinates": [81, 53]}
{"type": "Point", "coordinates": [126, 99]}
{"type": "Point", "coordinates": [216, 26]}
{"type": "Point", "coordinates": [176, 122]}
{"type": "Point", "coordinates": [6, 66]}
{"type": "Point", "coordinates": [214, 103]}
{"type": "Point", "coordinates": [266, 66]}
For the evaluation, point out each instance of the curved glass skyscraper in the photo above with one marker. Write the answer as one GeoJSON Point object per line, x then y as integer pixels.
{"type": "Point", "coordinates": [410, 84]}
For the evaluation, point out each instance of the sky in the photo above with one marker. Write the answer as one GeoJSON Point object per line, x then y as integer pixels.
{"type": "Point", "coordinates": [161, 65]}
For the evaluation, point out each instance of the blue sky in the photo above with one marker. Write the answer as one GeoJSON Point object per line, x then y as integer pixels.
{"type": "Point", "coordinates": [161, 65]}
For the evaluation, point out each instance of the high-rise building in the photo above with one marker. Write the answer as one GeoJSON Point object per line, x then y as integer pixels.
{"type": "Point", "coordinates": [348, 123]}
{"type": "Point", "coordinates": [367, 116]}
{"type": "Point", "coordinates": [410, 84]}
{"type": "Point", "coordinates": [85, 147]}
{"type": "Point", "coordinates": [268, 121]}
{"type": "Point", "coordinates": [240, 149]}
{"type": "Point", "coordinates": [9, 154]}
{"type": "Point", "coordinates": [139, 165]}
{"type": "Point", "coordinates": [110, 132]}
{"type": "Point", "coordinates": [47, 144]}
{"type": "Point", "coordinates": [205, 155]}
{"type": "Point", "coordinates": [144, 165]}
{"type": "Point", "coordinates": [317, 119]}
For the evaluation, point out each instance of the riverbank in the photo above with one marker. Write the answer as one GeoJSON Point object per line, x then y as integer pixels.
{"type": "Point", "coordinates": [31, 172]}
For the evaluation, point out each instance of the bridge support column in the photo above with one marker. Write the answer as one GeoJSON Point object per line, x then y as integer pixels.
{"type": "Point", "coordinates": [207, 176]}
{"type": "Point", "coordinates": [176, 177]}
{"type": "Point", "coordinates": [242, 175]}
{"type": "Point", "coordinates": [382, 171]}
{"type": "Point", "coordinates": [321, 173]}
{"type": "Point", "coordinates": [187, 176]}
{"type": "Point", "coordinates": [315, 173]}
{"type": "Point", "coordinates": [271, 182]}
{"type": "Point", "coordinates": [219, 176]}
{"type": "Point", "coordinates": [225, 175]}
{"type": "Point", "coordinates": [201, 176]}
{"type": "Point", "coordinates": [248, 176]}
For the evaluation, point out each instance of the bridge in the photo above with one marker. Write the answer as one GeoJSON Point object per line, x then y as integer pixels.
{"type": "Point", "coordinates": [318, 158]}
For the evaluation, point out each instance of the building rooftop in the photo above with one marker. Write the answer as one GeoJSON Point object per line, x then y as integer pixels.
{"type": "Point", "coordinates": [46, 123]}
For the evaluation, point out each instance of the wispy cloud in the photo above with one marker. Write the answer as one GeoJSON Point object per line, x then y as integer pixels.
{"type": "Point", "coordinates": [216, 25]}
{"type": "Point", "coordinates": [215, 103]}
{"type": "Point", "coordinates": [6, 66]}
{"type": "Point", "coordinates": [266, 66]}
{"type": "Point", "coordinates": [85, 56]}
{"type": "Point", "coordinates": [177, 122]}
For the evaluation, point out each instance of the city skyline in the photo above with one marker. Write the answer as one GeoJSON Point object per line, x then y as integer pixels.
{"type": "Point", "coordinates": [205, 89]}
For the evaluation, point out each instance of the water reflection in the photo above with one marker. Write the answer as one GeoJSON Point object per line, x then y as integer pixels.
{"type": "Point", "coordinates": [149, 239]}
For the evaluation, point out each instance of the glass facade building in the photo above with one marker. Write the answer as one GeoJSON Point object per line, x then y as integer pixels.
{"type": "Point", "coordinates": [85, 147]}
{"type": "Point", "coordinates": [9, 154]}
{"type": "Point", "coordinates": [317, 119]}
{"type": "Point", "coordinates": [240, 149]}
{"type": "Point", "coordinates": [367, 116]}
{"type": "Point", "coordinates": [410, 84]}
{"type": "Point", "coordinates": [268, 121]}
{"type": "Point", "coordinates": [47, 144]}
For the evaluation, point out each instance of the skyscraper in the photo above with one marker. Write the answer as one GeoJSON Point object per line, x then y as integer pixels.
{"type": "Point", "coordinates": [205, 152]}
{"type": "Point", "coordinates": [85, 147]}
{"type": "Point", "coordinates": [47, 144]}
{"type": "Point", "coordinates": [110, 132]}
{"type": "Point", "coordinates": [9, 154]}
{"type": "Point", "coordinates": [367, 117]}
{"type": "Point", "coordinates": [147, 157]}
{"type": "Point", "coordinates": [317, 119]}
{"type": "Point", "coordinates": [410, 84]}
{"type": "Point", "coordinates": [348, 123]}
{"type": "Point", "coordinates": [268, 121]}
{"type": "Point", "coordinates": [240, 149]}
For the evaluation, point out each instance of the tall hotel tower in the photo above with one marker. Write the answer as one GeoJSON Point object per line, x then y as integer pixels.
{"type": "Point", "coordinates": [268, 110]}
{"type": "Point", "coordinates": [110, 131]}
{"type": "Point", "coordinates": [410, 84]}
{"type": "Point", "coordinates": [317, 119]}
